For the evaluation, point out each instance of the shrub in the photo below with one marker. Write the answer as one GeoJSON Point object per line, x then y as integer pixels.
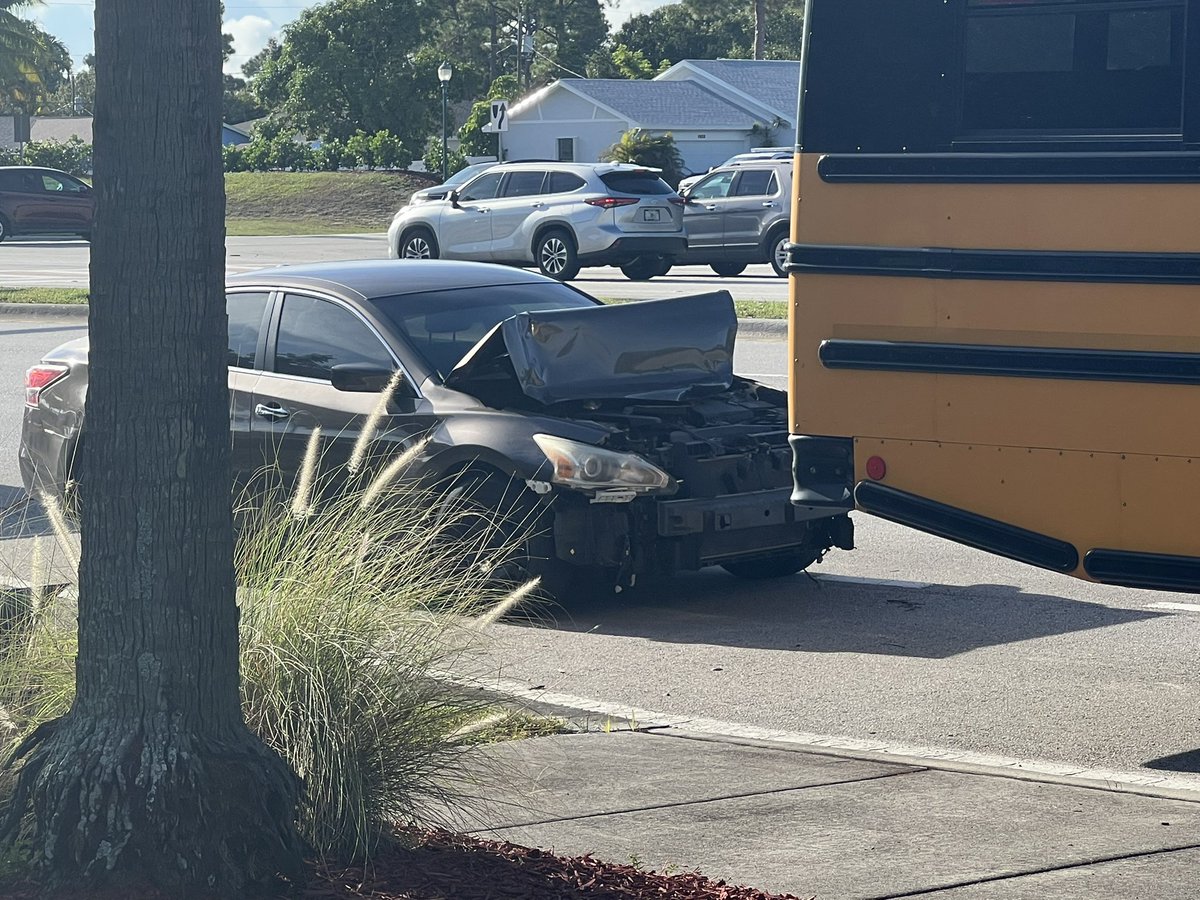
{"type": "Point", "coordinates": [351, 605]}
{"type": "Point", "coordinates": [72, 155]}
{"type": "Point", "coordinates": [433, 160]}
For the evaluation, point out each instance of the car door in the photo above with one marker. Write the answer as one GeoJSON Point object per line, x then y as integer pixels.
{"type": "Point", "coordinates": [294, 395]}
{"type": "Point", "coordinates": [28, 208]}
{"type": "Point", "coordinates": [522, 195]}
{"type": "Point", "coordinates": [704, 213]}
{"type": "Point", "coordinates": [753, 206]}
{"type": "Point", "coordinates": [249, 313]}
{"type": "Point", "coordinates": [66, 202]}
{"type": "Point", "coordinates": [465, 225]}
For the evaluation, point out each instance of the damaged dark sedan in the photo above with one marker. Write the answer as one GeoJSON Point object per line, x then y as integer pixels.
{"type": "Point", "coordinates": [622, 428]}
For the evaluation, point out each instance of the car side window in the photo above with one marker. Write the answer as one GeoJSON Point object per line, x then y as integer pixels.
{"type": "Point", "coordinates": [523, 184]}
{"type": "Point", "coordinates": [714, 186]}
{"type": "Point", "coordinates": [245, 325]}
{"type": "Point", "coordinates": [563, 183]}
{"type": "Point", "coordinates": [10, 181]}
{"type": "Point", "coordinates": [52, 183]}
{"type": "Point", "coordinates": [754, 183]}
{"type": "Point", "coordinates": [482, 188]}
{"type": "Point", "coordinates": [316, 335]}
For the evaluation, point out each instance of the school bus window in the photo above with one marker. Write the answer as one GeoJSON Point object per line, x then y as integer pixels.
{"type": "Point", "coordinates": [1074, 66]}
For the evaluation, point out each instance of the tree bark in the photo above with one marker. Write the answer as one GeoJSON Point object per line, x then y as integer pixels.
{"type": "Point", "coordinates": [152, 775]}
{"type": "Point", "coordinates": [760, 29]}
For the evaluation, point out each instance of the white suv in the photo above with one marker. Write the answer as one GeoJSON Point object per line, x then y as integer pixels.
{"type": "Point", "coordinates": [557, 216]}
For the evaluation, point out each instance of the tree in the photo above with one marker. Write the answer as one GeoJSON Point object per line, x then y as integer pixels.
{"type": "Point", "coordinates": [355, 65]}
{"type": "Point", "coordinates": [709, 29]}
{"type": "Point", "coordinates": [646, 149]}
{"type": "Point", "coordinates": [474, 142]}
{"type": "Point", "coordinates": [33, 64]}
{"type": "Point", "coordinates": [152, 774]}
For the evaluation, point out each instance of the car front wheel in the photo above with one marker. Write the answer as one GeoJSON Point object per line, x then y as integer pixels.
{"type": "Point", "coordinates": [643, 268]}
{"type": "Point", "coordinates": [4, 230]}
{"type": "Point", "coordinates": [777, 247]}
{"type": "Point", "coordinates": [418, 244]}
{"type": "Point", "coordinates": [773, 566]}
{"type": "Point", "coordinates": [556, 255]}
{"type": "Point", "coordinates": [728, 269]}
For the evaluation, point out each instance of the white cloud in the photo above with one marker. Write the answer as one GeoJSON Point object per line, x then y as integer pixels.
{"type": "Point", "coordinates": [250, 34]}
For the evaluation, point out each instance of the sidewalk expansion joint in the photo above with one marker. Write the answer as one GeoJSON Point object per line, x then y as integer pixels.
{"type": "Point", "coordinates": [700, 801]}
{"type": "Point", "coordinates": [1046, 870]}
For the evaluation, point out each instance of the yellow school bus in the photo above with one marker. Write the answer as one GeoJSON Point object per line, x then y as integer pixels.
{"type": "Point", "coordinates": [995, 277]}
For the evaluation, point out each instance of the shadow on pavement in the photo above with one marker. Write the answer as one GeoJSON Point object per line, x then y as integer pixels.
{"type": "Point", "coordinates": [1188, 761]}
{"type": "Point", "coordinates": [20, 515]}
{"type": "Point", "coordinates": [809, 615]}
{"type": "Point", "coordinates": [7, 332]}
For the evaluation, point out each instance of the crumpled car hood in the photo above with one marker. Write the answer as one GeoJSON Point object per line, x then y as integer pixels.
{"type": "Point", "coordinates": [653, 350]}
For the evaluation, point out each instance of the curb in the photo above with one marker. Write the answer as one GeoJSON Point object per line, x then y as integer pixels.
{"type": "Point", "coordinates": [761, 329]}
{"type": "Point", "coordinates": [959, 762]}
{"type": "Point", "coordinates": [45, 310]}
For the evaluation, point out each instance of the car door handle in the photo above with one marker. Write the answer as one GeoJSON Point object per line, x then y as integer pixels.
{"type": "Point", "coordinates": [536, 205]}
{"type": "Point", "coordinates": [711, 208]}
{"type": "Point", "coordinates": [769, 204]}
{"type": "Point", "coordinates": [271, 412]}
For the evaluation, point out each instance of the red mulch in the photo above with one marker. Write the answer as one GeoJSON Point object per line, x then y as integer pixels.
{"type": "Point", "coordinates": [446, 866]}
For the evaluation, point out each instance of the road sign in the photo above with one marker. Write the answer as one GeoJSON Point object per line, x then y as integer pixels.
{"type": "Point", "coordinates": [499, 120]}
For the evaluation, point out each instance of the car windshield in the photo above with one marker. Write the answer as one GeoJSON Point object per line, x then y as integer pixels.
{"type": "Point", "coordinates": [441, 326]}
{"type": "Point", "coordinates": [462, 176]}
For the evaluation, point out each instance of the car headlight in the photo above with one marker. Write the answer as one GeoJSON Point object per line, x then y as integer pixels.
{"type": "Point", "coordinates": [591, 468]}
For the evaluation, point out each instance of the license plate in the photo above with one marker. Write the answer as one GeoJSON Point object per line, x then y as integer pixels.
{"type": "Point", "coordinates": [651, 215]}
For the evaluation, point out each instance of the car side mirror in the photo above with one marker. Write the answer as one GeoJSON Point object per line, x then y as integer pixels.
{"type": "Point", "coordinates": [453, 198]}
{"type": "Point", "coordinates": [360, 378]}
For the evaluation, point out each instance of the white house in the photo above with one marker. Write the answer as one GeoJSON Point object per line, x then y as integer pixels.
{"type": "Point", "coordinates": [713, 108]}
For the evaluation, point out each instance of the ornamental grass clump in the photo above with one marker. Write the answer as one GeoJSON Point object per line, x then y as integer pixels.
{"type": "Point", "coordinates": [355, 593]}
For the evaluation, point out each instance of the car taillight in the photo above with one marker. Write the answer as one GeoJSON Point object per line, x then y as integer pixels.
{"type": "Point", "coordinates": [39, 377]}
{"type": "Point", "coordinates": [678, 201]}
{"type": "Point", "coordinates": [611, 202]}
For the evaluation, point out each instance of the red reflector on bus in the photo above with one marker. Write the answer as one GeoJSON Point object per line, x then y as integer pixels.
{"type": "Point", "coordinates": [876, 468]}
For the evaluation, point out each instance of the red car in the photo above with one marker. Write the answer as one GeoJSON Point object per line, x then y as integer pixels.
{"type": "Point", "coordinates": [34, 200]}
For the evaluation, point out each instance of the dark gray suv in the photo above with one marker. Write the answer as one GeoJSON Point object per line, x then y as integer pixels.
{"type": "Point", "coordinates": [737, 215]}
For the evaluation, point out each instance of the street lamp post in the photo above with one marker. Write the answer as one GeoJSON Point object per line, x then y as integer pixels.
{"type": "Point", "coordinates": [444, 74]}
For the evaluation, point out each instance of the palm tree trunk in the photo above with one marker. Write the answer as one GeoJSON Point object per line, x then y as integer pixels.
{"type": "Point", "coordinates": [760, 29]}
{"type": "Point", "coordinates": [152, 775]}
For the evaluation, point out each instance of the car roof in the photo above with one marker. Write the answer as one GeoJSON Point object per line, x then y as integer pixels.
{"type": "Point", "coordinates": [600, 168]}
{"type": "Point", "coordinates": [32, 169]}
{"type": "Point", "coordinates": [368, 279]}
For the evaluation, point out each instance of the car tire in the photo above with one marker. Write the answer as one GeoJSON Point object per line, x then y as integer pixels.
{"type": "Point", "coordinates": [777, 251]}
{"type": "Point", "coordinates": [779, 566]}
{"type": "Point", "coordinates": [418, 243]}
{"type": "Point", "coordinates": [556, 255]}
{"type": "Point", "coordinates": [5, 229]}
{"type": "Point", "coordinates": [511, 522]}
{"type": "Point", "coordinates": [643, 268]}
{"type": "Point", "coordinates": [728, 269]}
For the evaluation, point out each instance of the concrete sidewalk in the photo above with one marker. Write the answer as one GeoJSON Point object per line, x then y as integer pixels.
{"type": "Point", "coordinates": [791, 820]}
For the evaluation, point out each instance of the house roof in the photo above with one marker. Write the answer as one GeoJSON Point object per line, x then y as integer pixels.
{"type": "Point", "coordinates": [774, 83]}
{"type": "Point", "coordinates": [661, 104]}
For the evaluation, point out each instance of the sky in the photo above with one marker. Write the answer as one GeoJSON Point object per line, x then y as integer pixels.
{"type": "Point", "coordinates": [251, 22]}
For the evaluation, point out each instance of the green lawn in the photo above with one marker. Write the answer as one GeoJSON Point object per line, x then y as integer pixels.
{"type": "Point", "coordinates": [44, 295]}
{"type": "Point", "coordinates": [266, 203]}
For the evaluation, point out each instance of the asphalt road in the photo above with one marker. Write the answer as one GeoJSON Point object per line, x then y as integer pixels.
{"type": "Point", "coordinates": [64, 263]}
{"type": "Point", "coordinates": [908, 640]}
